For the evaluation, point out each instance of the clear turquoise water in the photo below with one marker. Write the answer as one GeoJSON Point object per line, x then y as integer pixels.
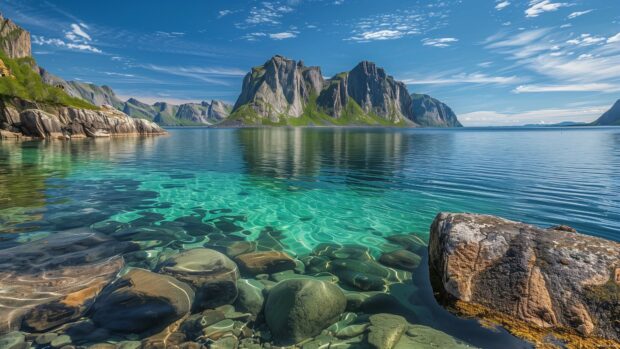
{"type": "Point", "coordinates": [314, 185]}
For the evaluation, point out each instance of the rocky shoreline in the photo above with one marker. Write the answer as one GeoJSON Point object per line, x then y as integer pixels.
{"type": "Point", "coordinates": [107, 288]}
{"type": "Point", "coordinates": [21, 119]}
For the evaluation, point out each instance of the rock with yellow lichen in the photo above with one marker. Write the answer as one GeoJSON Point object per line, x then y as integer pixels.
{"type": "Point", "coordinates": [538, 283]}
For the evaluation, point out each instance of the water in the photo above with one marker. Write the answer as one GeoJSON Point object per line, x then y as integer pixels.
{"type": "Point", "coordinates": [352, 185]}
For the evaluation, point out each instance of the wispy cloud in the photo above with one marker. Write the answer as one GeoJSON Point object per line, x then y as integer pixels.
{"type": "Point", "coordinates": [77, 33]}
{"type": "Point", "coordinates": [283, 35]}
{"type": "Point", "coordinates": [500, 5]}
{"type": "Point", "coordinates": [539, 116]}
{"type": "Point", "coordinates": [384, 34]}
{"type": "Point", "coordinates": [44, 41]}
{"type": "Point", "coordinates": [164, 34]}
{"type": "Point", "coordinates": [265, 13]}
{"type": "Point", "coordinates": [593, 87]}
{"type": "Point", "coordinates": [439, 42]}
{"type": "Point", "coordinates": [463, 78]}
{"type": "Point", "coordinates": [586, 40]}
{"type": "Point", "coordinates": [537, 7]}
{"type": "Point", "coordinates": [578, 13]}
{"type": "Point", "coordinates": [613, 39]}
{"type": "Point", "coordinates": [212, 75]}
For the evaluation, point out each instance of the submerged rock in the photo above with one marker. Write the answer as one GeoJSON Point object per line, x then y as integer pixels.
{"type": "Point", "coordinates": [267, 262]}
{"type": "Point", "coordinates": [142, 301]}
{"type": "Point", "coordinates": [298, 309]}
{"type": "Point", "coordinates": [401, 259]}
{"type": "Point", "coordinates": [54, 280]}
{"type": "Point", "coordinates": [386, 330]}
{"type": "Point", "coordinates": [212, 274]}
{"type": "Point", "coordinates": [521, 275]}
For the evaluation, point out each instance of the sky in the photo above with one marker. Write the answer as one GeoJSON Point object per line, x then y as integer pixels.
{"type": "Point", "coordinates": [495, 62]}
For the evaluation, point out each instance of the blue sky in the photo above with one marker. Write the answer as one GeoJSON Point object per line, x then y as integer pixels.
{"type": "Point", "coordinates": [495, 62]}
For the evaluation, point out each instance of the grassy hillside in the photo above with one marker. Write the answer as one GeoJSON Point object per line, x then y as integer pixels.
{"type": "Point", "coordinates": [27, 84]}
{"type": "Point", "coordinates": [353, 115]}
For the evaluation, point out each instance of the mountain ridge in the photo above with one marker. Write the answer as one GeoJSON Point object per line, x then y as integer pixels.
{"type": "Point", "coordinates": [611, 117]}
{"type": "Point", "coordinates": [283, 91]}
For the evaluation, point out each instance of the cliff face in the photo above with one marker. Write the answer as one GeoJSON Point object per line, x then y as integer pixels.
{"type": "Point", "coordinates": [283, 90]}
{"type": "Point", "coordinates": [25, 119]}
{"type": "Point", "coordinates": [430, 112]}
{"type": "Point", "coordinates": [218, 111]}
{"type": "Point", "coordinates": [610, 117]}
{"type": "Point", "coordinates": [14, 40]}
{"type": "Point", "coordinates": [279, 87]}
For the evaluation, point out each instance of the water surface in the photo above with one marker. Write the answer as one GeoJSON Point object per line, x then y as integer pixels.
{"type": "Point", "coordinates": [314, 185]}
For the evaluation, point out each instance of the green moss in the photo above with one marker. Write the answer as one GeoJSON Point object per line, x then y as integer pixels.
{"type": "Point", "coordinates": [27, 84]}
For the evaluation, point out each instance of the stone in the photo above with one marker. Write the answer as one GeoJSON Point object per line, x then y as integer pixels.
{"type": "Point", "coordinates": [13, 340]}
{"type": "Point", "coordinates": [352, 331]}
{"type": "Point", "coordinates": [401, 259]}
{"type": "Point", "coordinates": [385, 330]}
{"type": "Point", "coordinates": [542, 278]}
{"type": "Point", "coordinates": [54, 280]}
{"type": "Point", "coordinates": [45, 338]}
{"type": "Point", "coordinates": [227, 342]}
{"type": "Point", "coordinates": [142, 301]}
{"type": "Point", "coordinates": [268, 262]}
{"type": "Point", "coordinates": [411, 242]}
{"type": "Point", "coordinates": [298, 309]}
{"type": "Point", "coordinates": [424, 337]}
{"type": "Point", "coordinates": [212, 274]}
{"type": "Point", "coordinates": [61, 341]}
{"type": "Point", "coordinates": [218, 329]}
{"type": "Point", "coordinates": [129, 345]}
{"type": "Point", "coordinates": [250, 297]}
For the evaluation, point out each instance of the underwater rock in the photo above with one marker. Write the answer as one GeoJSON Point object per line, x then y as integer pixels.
{"type": "Point", "coordinates": [142, 301]}
{"type": "Point", "coordinates": [520, 274]}
{"type": "Point", "coordinates": [52, 281]}
{"type": "Point", "coordinates": [251, 297]}
{"type": "Point", "coordinates": [298, 309]}
{"type": "Point", "coordinates": [13, 340]}
{"type": "Point", "coordinates": [411, 242]}
{"type": "Point", "coordinates": [424, 337]}
{"type": "Point", "coordinates": [267, 262]}
{"type": "Point", "coordinates": [401, 259]}
{"type": "Point", "coordinates": [212, 274]}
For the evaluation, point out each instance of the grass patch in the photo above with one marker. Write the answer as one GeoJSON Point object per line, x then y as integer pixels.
{"type": "Point", "coordinates": [27, 84]}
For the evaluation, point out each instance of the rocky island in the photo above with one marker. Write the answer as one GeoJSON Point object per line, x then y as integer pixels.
{"type": "Point", "coordinates": [286, 92]}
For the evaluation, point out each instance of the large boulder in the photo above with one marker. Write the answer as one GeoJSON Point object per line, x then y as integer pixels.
{"type": "Point", "coordinates": [51, 281]}
{"type": "Point", "coordinates": [265, 262]}
{"type": "Point", "coordinates": [142, 301]}
{"type": "Point", "coordinates": [212, 274]}
{"type": "Point", "coordinates": [548, 280]}
{"type": "Point", "coordinates": [297, 309]}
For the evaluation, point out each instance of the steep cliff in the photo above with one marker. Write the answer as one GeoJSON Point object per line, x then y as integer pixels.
{"type": "Point", "coordinates": [285, 92]}
{"type": "Point", "coordinates": [610, 117]}
{"type": "Point", "coordinates": [430, 112]}
{"type": "Point", "coordinates": [279, 88]}
{"type": "Point", "coordinates": [14, 40]}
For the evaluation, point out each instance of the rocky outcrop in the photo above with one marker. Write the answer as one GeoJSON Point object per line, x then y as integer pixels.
{"type": "Point", "coordinates": [610, 117]}
{"type": "Point", "coordinates": [14, 40]}
{"type": "Point", "coordinates": [54, 280]}
{"type": "Point", "coordinates": [192, 112]}
{"type": "Point", "coordinates": [20, 118]}
{"type": "Point", "coordinates": [549, 280]}
{"type": "Point", "coordinates": [284, 89]}
{"type": "Point", "coordinates": [281, 86]}
{"type": "Point", "coordinates": [430, 112]}
{"type": "Point", "coordinates": [218, 111]}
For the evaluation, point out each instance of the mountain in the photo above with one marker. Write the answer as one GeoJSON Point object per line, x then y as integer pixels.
{"type": "Point", "coordinates": [430, 112]}
{"type": "Point", "coordinates": [33, 108]}
{"type": "Point", "coordinates": [286, 92]}
{"type": "Point", "coordinates": [14, 41]}
{"type": "Point", "coordinates": [559, 124]}
{"type": "Point", "coordinates": [610, 117]}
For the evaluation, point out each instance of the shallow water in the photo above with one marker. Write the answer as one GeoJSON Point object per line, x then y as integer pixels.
{"type": "Point", "coordinates": [314, 185]}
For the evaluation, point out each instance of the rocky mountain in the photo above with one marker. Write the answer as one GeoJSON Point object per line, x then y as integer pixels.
{"type": "Point", "coordinates": [610, 117]}
{"type": "Point", "coordinates": [430, 112]}
{"type": "Point", "coordinates": [286, 92]}
{"type": "Point", "coordinates": [14, 40]}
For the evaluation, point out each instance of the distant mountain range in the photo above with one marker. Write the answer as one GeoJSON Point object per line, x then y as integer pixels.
{"type": "Point", "coordinates": [286, 92]}
{"type": "Point", "coordinates": [165, 114]}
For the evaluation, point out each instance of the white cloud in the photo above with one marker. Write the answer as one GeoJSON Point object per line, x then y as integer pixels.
{"type": "Point", "coordinates": [463, 78]}
{"type": "Point", "coordinates": [378, 35]}
{"type": "Point", "coordinates": [578, 13]}
{"type": "Point", "coordinates": [502, 5]}
{"type": "Point", "coordinates": [593, 87]}
{"type": "Point", "coordinates": [124, 75]}
{"type": "Point", "coordinates": [212, 75]}
{"type": "Point", "coordinates": [267, 13]}
{"type": "Point", "coordinates": [540, 116]}
{"type": "Point", "coordinates": [613, 39]}
{"type": "Point", "coordinates": [77, 33]}
{"type": "Point", "coordinates": [586, 40]}
{"type": "Point", "coordinates": [164, 34]}
{"type": "Point", "coordinates": [536, 7]}
{"type": "Point", "coordinates": [520, 39]}
{"type": "Point", "coordinates": [224, 13]}
{"type": "Point", "coordinates": [41, 40]}
{"type": "Point", "coordinates": [439, 42]}
{"type": "Point", "coordinates": [283, 35]}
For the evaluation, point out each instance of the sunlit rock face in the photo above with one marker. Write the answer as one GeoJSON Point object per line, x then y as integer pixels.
{"type": "Point", "coordinates": [15, 40]}
{"type": "Point", "coordinates": [51, 281]}
{"type": "Point", "coordinates": [547, 278]}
